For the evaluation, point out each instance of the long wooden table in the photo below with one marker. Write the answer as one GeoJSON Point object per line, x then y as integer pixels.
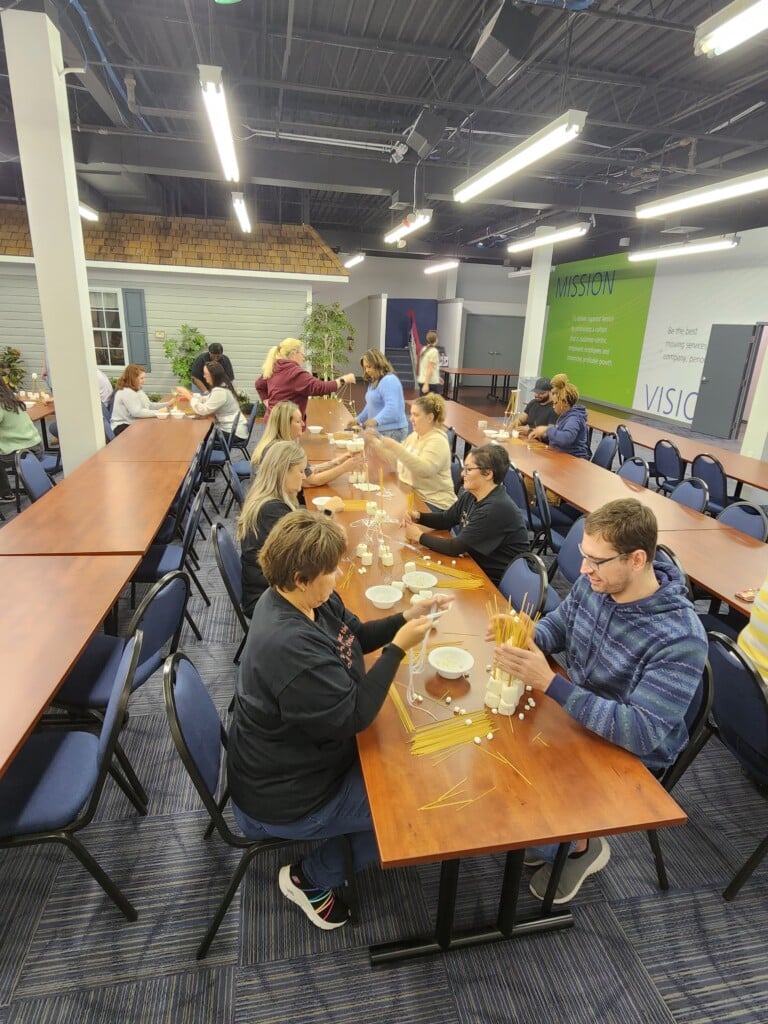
{"type": "Point", "coordinates": [457, 372]}
{"type": "Point", "coordinates": [154, 440]}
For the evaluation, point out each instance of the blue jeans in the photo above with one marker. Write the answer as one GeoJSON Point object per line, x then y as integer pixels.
{"type": "Point", "coordinates": [397, 434]}
{"type": "Point", "coordinates": [346, 814]}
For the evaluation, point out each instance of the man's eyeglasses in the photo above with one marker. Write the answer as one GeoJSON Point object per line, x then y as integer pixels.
{"type": "Point", "coordinates": [595, 563]}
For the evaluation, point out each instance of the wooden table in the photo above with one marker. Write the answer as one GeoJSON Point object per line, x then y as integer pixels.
{"type": "Point", "coordinates": [52, 608]}
{"type": "Point", "coordinates": [101, 508]}
{"type": "Point", "coordinates": [457, 372]}
{"type": "Point", "coordinates": [153, 440]}
{"type": "Point", "coordinates": [38, 414]}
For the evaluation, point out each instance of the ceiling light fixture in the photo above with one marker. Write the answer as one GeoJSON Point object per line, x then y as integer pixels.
{"type": "Point", "coordinates": [415, 220]}
{"type": "Point", "coordinates": [87, 212]}
{"type": "Point", "coordinates": [561, 235]}
{"type": "Point", "coordinates": [550, 138]}
{"type": "Point", "coordinates": [438, 268]}
{"type": "Point", "coordinates": [745, 185]}
{"type": "Point", "coordinates": [215, 101]}
{"type": "Point", "coordinates": [686, 249]}
{"type": "Point", "coordinates": [241, 211]}
{"type": "Point", "coordinates": [730, 27]}
{"type": "Point", "coordinates": [352, 261]}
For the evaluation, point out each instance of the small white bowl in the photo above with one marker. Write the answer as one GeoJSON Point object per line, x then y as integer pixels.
{"type": "Point", "coordinates": [418, 580]}
{"type": "Point", "coordinates": [163, 414]}
{"type": "Point", "coordinates": [383, 596]}
{"type": "Point", "coordinates": [177, 414]}
{"type": "Point", "coordinates": [321, 502]}
{"type": "Point", "coordinates": [315, 430]}
{"type": "Point", "coordinates": [451, 662]}
{"type": "Point", "coordinates": [490, 433]}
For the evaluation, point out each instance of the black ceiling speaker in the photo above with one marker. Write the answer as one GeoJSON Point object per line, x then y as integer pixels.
{"type": "Point", "coordinates": [425, 134]}
{"type": "Point", "coordinates": [504, 41]}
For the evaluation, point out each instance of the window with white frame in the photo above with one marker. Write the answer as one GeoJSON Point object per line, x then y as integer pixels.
{"type": "Point", "coordinates": [107, 320]}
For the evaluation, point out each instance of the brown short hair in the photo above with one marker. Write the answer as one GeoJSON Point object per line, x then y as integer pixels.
{"type": "Point", "coordinates": [493, 457]}
{"type": "Point", "coordinates": [627, 524]}
{"type": "Point", "coordinates": [301, 547]}
{"type": "Point", "coordinates": [434, 405]}
{"type": "Point", "coordinates": [378, 361]}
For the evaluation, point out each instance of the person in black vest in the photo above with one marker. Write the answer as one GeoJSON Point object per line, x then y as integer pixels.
{"type": "Point", "coordinates": [213, 354]}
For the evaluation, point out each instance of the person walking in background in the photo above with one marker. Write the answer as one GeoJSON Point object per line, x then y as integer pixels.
{"type": "Point", "coordinates": [428, 377]}
{"type": "Point", "coordinates": [284, 379]}
{"type": "Point", "coordinates": [213, 354]}
{"type": "Point", "coordinates": [384, 408]}
{"type": "Point", "coordinates": [569, 433]}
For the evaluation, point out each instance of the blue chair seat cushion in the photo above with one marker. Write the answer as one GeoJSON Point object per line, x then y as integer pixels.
{"type": "Point", "coordinates": [48, 783]}
{"type": "Point", "coordinates": [159, 560]}
{"type": "Point", "coordinates": [242, 468]}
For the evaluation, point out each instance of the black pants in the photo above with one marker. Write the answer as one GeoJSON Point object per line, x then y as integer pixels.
{"type": "Point", "coordinates": [10, 460]}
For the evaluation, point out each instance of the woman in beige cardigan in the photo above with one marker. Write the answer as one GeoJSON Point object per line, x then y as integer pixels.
{"type": "Point", "coordinates": [424, 458]}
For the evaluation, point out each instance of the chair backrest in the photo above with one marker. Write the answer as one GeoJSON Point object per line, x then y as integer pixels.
{"type": "Point", "coordinates": [184, 493]}
{"type": "Point", "coordinates": [697, 724]}
{"type": "Point", "coordinates": [605, 452]}
{"type": "Point", "coordinates": [228, 561]}
{"type": "Point", "coordinates": [747, 517]}
{"type": "Point", "coordinates": [234, 482]}
{"type": "Point", "coordinates": [450, 434]}
{"type": "Point", "coordinates": [625, 443]}
{"type": "Point", "coordinates": [525, 581]}
{"type": "Point", "coordinates": [569, 557]}
{"type": "Point", "coordinates": [709, 469]}
{"type": "Point", "coordinates": [665, 552]}
{"type": "Point", "coordinates": [109, 434]}
{"type": "Point", "coordinates": [740, 706]}
{"type": "Point", "coordinates": [458, 481]}
{"type": "Point", "coordinates": [693, 493]}
{"type": "Point", "coordinates": [30, 470]}
{"type": "Point", "coordinates": [514, 485]}
{"type": "Point", "coordinates": [193, 521]}
{"type": "Point", "coordinates": [231, 435]}
{"type": "Point", "coordinates": [634, 469]}
{"type": "Point", "coordinates": [160, 617]}
{"type": "Point", "coordinates": [205, 451]}
{"type": "Point", "coordinates": [542, 505]}
{"type": "Point", "coordinates": [667, 460]}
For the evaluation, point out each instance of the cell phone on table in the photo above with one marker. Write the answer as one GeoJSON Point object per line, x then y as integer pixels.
{"type": "Point", "coordinates": [748, 596]}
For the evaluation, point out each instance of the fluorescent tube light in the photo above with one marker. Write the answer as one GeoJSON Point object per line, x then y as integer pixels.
{"type": "Point", "coordinates": [215, 101]}
{"type": "Point", "coordinates": [412, 223]}
{"type": "Point", "coordinates": [241, 210]}
{"type": "Point", "coordinates": [686, 249]}
{"type": "Point", "coordinates": [730, 27]}
{"type": "Point", "coordinates": [745, 185]}
{"type": "Point", "coordinates": [561, 235]}
{"type": "Point", "coordinates": [87, 212]}
{"type": "Point", "coordinates": [438, 268]}
{"type": "Point", "coordinates": [352, 261]}
{"type": "Point", "coordinates": [550, 138]}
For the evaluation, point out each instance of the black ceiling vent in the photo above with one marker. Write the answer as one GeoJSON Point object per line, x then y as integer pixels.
{"type": "Point", "coordinates": [425, 134]}
{"type": "Point", "coordinates": [504, 41]}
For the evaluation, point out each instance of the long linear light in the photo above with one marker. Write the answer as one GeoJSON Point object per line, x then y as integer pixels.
{"type": "Point", "coordinates": [215, 101]}
{"type": "Point", "coordinates": [353, 261]}
{"type": "Point", "coordinates": [745, 185]}
{"type": "Point", "coordinates": [730, 27]}
{"type": "Point", "coordinates": [561, 235]}
{"type": "Point", "coordinates": [87, 212]}
{"type": "Point", "coordinates": [438, 268]}
{"type": "Point", "coordinates": [241, 211]}
{"type": "Point", "coordinates": [550, 138]}
{"type": "Point", "coordinates": [411, 223]}
{"type": "Point", "coordinates": [686, 249]}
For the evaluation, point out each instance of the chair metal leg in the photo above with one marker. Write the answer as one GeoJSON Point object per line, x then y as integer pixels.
{"type": "Point", "coordinates": [350, 889]}
{"type": "Point", "coordinates": [198, 584]}
{"type": "Point", "coordinates": [100, 876]}
{"type": "Point", "coordinates": [236, 658]}
{"type": "Point", "coordinates": [661, 871]}
{"type": "Point", "coordinates": [745, 871]}
{"type": "Point", "coordinates": [193, 625]}
{"type": "Point", "coordinates": [130, 774]}
{"type": "Point", "coordinates": [218, 917]}
{"type": "Point", "coordinates": [128, 790]}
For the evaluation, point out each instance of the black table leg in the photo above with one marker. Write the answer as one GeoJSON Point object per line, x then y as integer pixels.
{"type": "Point", "coordinates": [456, 382]}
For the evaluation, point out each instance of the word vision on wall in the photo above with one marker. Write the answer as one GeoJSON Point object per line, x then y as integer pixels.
{"type": "Point", "coordinates": [670, 401]}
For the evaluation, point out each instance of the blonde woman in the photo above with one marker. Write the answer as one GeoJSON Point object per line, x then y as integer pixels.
{"type": "Point", "coordinates": [283, 378]}
{"type": "Point", "coordinates": [286, 424]}
{"type": "Point", "coordinates": [274, 493]}
{"type": "Point", "coordinates": [569, 433]}
{"type": "Point", "coordinates": [384, 408]}
{"type": "Point", "coordinates": [424, 458]}
{"type": "Point", "coordinates": [428, 377]}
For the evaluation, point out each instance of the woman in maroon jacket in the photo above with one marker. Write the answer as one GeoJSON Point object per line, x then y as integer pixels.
{"type": "Point", "coordinates": [284, 379]}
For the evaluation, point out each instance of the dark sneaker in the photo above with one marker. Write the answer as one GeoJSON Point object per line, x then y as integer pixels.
{"type": "Point", "coordinates": [322, 906]}
{"type": "Point", "coordinates": [577, 869]}
{"type": "Point", "coordinates": [5, 498]}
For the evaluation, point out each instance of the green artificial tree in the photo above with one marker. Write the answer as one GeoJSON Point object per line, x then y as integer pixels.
{"type": "Point", "coordinates": [11, 367]}
{"type": "Point", "coordinates": [183, 351]}
{"type": "Point", "coordinates": [328, 338]}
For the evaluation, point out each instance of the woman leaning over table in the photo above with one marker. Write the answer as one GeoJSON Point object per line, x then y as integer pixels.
{"type": "Point", "coordinates": [302, 695]}
{"type": "Point", "coordinates": [569, 433]}
{"type": "Point", "coordinates": [220, 401]}
{"type": "Point", "coordinates": [428, 377]}
{"type": "Point", "coordinates": [283, 378]}
{"type": "Point", "coordinates": [17, 434]}
{"type": "Point", "coordinates": [286, 424]}
{"type": "Point", "coordinates": [384, 406]}
{"type": "Point", "coordinates": [131, 403]}
{"type": "Point", "coordinates": [424, 458]}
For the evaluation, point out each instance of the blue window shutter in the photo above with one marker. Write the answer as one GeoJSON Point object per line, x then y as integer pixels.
{"type": "Point", "coordinates": [136, 327]}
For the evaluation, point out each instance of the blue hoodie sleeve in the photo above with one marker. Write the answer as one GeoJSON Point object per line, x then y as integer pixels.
{"type": "Point", "coordinates": [566, 432]}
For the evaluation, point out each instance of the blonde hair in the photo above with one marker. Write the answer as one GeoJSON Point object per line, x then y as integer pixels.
{"type": "Point", "coordinates": [281, 351]}
{"type": "Point", "coordinates": [269, 484]}
{"type": "Point", "coordinates": [433, 405]}
{"type": "Point", "coordinates": [431, 337]}
{"type": "Point", "coordinates": [564, 391]}
{"type": "Point", "coordinates": [278, 428]}
{"type": "Point", "coordinates": [301, 547]}
{"type": "Point", "coordinates": [378, 363]}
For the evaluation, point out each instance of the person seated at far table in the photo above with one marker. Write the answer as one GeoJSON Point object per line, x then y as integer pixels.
{"type": "Point", "coordinates": [287, 424]}
{"type": "Point", "coordinates": [635, 653]}
{"type": "Point", "coordinates": [302, 695]}
{"type": "Point", "coordinates": [384, 406]}
{"type": "Point", "coordinates": [491, 525]}
{"type": "Point", "coordinates": [131, 403]}
{"type": "Point", "coordinates": [17, 434]}
{"type": "Point", "coordinates": [213, 354]}
{"type": "Point", "coordinates": [539, 412]}
{"type": "Point", "coordinates": [220, 400]}
{"type": "Point", "coordinates": [569, 433]}
{"type": "Point", "coordinates": [424, 458]}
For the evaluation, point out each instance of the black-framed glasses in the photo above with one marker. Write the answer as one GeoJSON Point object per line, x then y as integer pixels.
{"type": "Point", "coordinates": [596, 563]}
{"type": "Point", "coordinates": [468, 469]}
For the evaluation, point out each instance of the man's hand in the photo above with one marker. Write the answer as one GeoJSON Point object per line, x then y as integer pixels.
{"type": "Point", "coordinates": [530, 666]}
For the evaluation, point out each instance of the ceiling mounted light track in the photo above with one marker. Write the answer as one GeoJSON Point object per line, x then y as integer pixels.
{"type": "Point", "coordinates": [215, 101]}
{"type": "Point", "coordinates": [552, 238]}
{"type": "Point", "coordinates": [730, 27]}
{"type": "Point", "coordinates": [664, 252]}
{"type": "Point", "coordinates": [745, 185]}
{"type": "Point", "coordinates": [415, 220]}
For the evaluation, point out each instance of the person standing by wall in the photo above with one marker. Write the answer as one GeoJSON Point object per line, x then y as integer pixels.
{"type": "Point", "coordinates": [428, 377]}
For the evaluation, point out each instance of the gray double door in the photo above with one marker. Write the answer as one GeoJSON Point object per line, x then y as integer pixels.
{"type": "Point", "coordinates": [495, 342]}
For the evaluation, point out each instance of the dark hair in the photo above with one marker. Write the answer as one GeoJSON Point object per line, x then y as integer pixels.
{"type": "Point", "coordinates": [493, 457]}
{"type": "Point", "coordinates": [378, 363]}
{"type": "Point", "coordinates": [8, 400]}
{"type": "Point", "coordinates": [219, 378]}
{"type": "Point", "coordinates": [627, 524]}
{"type": "Point", "coordinates": [301, 547]}
{"type": "Point", "coordinates": [215, 349]}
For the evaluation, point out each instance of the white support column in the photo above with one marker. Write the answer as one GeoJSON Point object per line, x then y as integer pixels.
{"type": "Point", "coordinates": [446, 284]}
{"type": "Point", "coordinates": [535, 315]}
{"type": "Point", "coordinates": [35, 64]}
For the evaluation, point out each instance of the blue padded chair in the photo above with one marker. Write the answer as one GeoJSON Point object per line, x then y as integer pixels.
{"type": "Point", "coordinates": [242, 443]}
{"type": "Point", "coordinates": [29, 469]}
{"type": "Point", "coordinates": [52, 787]}
{"type": "Point", "coordinates": [173, 525]}
{"type": "Point", "coordinates": [747, 517]}
{"type": "Point", "coordinates": [626, 446]}
{"type": "Point", "coordinates": [514, 485]}
{"type": "Point", "coordinates": [228, 562]}
{"type": "Point", "coordinates": [109, 434]}
{"type": "Point", "coordinates": [709, 469]}
{"type": "Point", "coordinates": [568, 560]}
{"type": "Point", "coordinates": [693, 493]}
{"type": "Point", "coordinates": [740, 721]}
{"type": "Point", "coordinates": [667, 467]}
{"type": "Point", "coordinates": [634, 469]}
{"type": "Point", "coordinates": [663, 551]}
{"type": "Point", "coordinates": [605, 452]}
{"type": "Point", "coordinates": [234, 484]}
{"type": "Point", "coordinates": [51, 464]}
{"type": "Point", "coordinates": [525, 582]}
{"type": "Point", "coordinates": [545, 536]}
{"type": "Point", "coordinates": [456, 467]}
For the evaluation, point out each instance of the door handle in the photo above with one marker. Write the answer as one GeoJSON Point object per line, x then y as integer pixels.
{"type": "Point", "coordinates": [703, 380]}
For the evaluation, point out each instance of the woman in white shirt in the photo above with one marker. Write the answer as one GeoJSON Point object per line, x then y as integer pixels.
{"type": "Point", "coordinates": [220, 402]}
{"type": "Point", "coordinates": [428, 377]}
{"type": "Point", "coordinates": [131, 403]}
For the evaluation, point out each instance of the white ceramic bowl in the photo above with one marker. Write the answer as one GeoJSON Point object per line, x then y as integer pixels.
{"type": "Point", "coordinates": [163, 414]}
{"type": "Point", "coordinates": [383, 596]}
{"type": "Point", "coordinates": [321, 502]}
{"type": "Point", "coordinates": [451, 662]}
{"type": "Point", "coordinates": [315, 430]}
{"type": "Point", "coordinates": [490, 433]}
{"type": "Point", "coordinates": [177, 414]}
{"type": "Point", "coordinates": [418, 580]}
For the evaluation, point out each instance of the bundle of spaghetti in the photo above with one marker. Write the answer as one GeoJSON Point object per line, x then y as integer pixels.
{"type": "Point", "coordinates": [401, 709]}
{"type": "Point", "coordinates": [432, 739]}
{"type": "Point", "coordinates": [445, 570]}
{"type": "Point", "coordinates": [410, 503]}
{"type": "Point", "coordinates": [347, 577]}
{"type": "Point", "coordinates": [509, 627]}
{"type": "Point", "coordinates": [472, 584]}
{"type": "Point", "coordinates": [354, 505]}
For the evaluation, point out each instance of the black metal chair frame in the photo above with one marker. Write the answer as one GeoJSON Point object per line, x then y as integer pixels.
{"type": "Point", "coordinates": [242, 618]}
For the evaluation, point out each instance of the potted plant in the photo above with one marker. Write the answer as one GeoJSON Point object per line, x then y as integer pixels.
{"type": "Point", "coordinates": [11, 367]}
{"type": "Point", "coordinates": [183, 350]}
{"type": "Point", "coordinates": [328, 338]}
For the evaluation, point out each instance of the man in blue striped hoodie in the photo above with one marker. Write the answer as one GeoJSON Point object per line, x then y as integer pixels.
{"type": "Point", "coordinates": [635, 652]}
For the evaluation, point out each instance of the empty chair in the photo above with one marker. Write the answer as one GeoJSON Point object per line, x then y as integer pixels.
{"type": "Point", "coordinates": [514, 485]}
{"type": "Point", "coordinates": [747, 517]}
{"type": "Point", "coordinates": [242, 443]}
{"type": "Point", "coordinates": [52, 787]}
{"type": "Point", "coordinates": [568, 560]}
{"type": "Point", "coordinates": [234, 484]}
{"type": "Point", "coordinates": [29, 469]}
{"type": "Point", "coordinates": [709, 469]}
{"type": "Point", "coordinates": [626, 446]}
{"type": "Point", "coordinates": [173, 525]}
{"type": "Point", "coordinates": [228, 562]}
{"type": "Point", "coordinates": [667, 467]}
{"type": "Point", "coordinates": [456, 473]}
{"type": "Point", "coordinates": [541, 520]}
{"type": "Point", "coordinates": [634, 469]}
{"type": "Point", "coordinates": [605, 452]}
{"type": "Point", "coordinates": [693, 493]}
{"type": "Point", "coordinates": [525, 582]}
